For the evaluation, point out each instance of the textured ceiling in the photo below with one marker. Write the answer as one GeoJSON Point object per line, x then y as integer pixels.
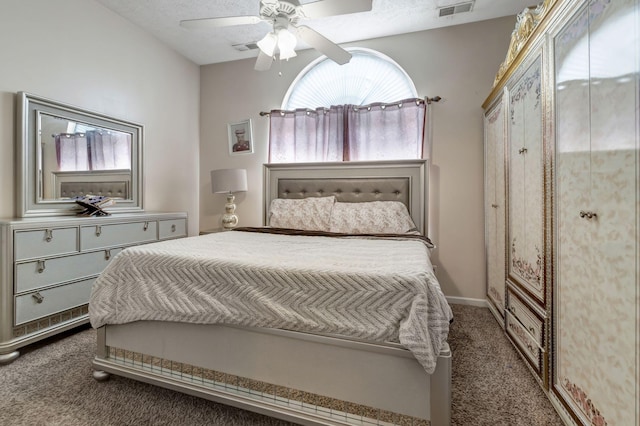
{"type": "Point", "coordinates": [161, 18]}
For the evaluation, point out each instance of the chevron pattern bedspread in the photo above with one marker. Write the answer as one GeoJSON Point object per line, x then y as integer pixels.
{"type": "Point", "coordinates": [375, 289]}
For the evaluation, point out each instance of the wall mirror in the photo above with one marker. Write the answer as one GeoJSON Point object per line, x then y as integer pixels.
{"type": "Point", "coordinates": [64, 152]}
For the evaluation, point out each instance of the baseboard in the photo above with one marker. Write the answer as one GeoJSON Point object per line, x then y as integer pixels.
{"type": "Point", "coordinates": [482, 303]}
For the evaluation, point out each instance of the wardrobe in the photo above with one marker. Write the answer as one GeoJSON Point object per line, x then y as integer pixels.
{"type": "Point", "coordinates": [562, 210]}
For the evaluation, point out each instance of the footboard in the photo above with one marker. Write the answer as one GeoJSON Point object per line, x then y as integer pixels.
{"type": "Point", "coordinates": [299, 377]}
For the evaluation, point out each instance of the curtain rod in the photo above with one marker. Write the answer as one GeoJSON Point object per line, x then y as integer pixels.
{"type": "Point", "coordinates": [428, 100]}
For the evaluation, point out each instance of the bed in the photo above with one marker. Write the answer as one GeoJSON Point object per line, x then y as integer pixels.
{"type": "Point", "coordinates": [313, 368]}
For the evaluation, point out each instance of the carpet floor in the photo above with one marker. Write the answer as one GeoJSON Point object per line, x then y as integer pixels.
{"type": "Point", "coordinates": [51, 384]}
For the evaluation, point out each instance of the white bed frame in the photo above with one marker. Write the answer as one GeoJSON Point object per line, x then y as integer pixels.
{"type": "Point", "coordinates": [384, 376]}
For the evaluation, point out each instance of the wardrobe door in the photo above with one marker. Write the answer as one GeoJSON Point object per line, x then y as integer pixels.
{"type": "Point", "coordinates": [494, 128]}
{"type": "Point", "coordinates": [596, 67]}
{"type": "Point", "coordinates": [526, 183]}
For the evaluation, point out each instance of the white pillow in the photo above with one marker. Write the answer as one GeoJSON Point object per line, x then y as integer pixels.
{"type": "Point", "coordinates": [309, 214]}
{"type": "Point", "coordinates": [373, 217]}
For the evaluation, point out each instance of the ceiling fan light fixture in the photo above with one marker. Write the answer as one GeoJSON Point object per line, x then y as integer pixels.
{"type": "Point", "coordinates": [268, 43]}
{"type": "Point", "coordinates": [286, 44]}
{"type": "Point", "coordinates": [285, 15]}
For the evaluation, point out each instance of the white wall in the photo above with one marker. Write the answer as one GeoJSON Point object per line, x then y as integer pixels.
{"type": "Point", "coordinates": [457, 63]}
{"type": "Point", "coordinates": [78, 52]}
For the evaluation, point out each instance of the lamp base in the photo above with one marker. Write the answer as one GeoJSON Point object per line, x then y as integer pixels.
{"type": "Point", "coordinates": [229, 218]}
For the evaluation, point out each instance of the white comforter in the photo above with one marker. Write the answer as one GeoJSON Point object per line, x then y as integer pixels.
{"type": "Point", "coordinates": [371, 289]}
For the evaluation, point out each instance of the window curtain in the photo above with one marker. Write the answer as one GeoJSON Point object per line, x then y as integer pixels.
{"type": "Point", "coordinates": [306, 135]}
{"type": "Point", "coordinates": [71, 151]}
{"type": "Point", "coordinates": [386, 132]}
{"type": "Point", "coordinates": [109, 151]}
{"type": "Point", "coordinates": [349, 133]}
{"type": "Point", "coordinates": [93, 150]}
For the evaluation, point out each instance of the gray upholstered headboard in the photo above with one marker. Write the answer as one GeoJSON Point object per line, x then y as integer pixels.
{"type": "Point", "coordinates": [403, 180]}
{"type": "Point", "coordinates": [108, 189]}
{"type": "Point", "coordinates": [347, 190]}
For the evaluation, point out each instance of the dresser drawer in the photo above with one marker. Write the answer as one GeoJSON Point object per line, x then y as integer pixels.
{"type": "Point", "coordinates": [45, 242]}
{"type": "Point", "coordinates": [100, 236]}
{"type": "Point", "coordinates": [46, 272]}
{"type": "Point", "coordinates": [531, 322]}
{"type": "Point", "coordinates": [524, 341]}
{"type": "Point", "coordinates": [43, 303]}
{"type": "Point", "coordinates": [173, 228]}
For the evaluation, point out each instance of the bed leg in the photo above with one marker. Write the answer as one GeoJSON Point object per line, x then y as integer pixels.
{"type": "Point", "coordinates": [101, 376]}
{"type": "Point", "coordinates": [440, 393]}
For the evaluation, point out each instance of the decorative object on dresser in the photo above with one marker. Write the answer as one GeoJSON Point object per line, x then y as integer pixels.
{"type": "Point", "coordinates": [93, 205]}
{"type": "Point", "coordinates": [49, 265]}
{"type": "Point", "coordinates": [563, 265]}
{"type": "Point", "coordinates": [229, 181]}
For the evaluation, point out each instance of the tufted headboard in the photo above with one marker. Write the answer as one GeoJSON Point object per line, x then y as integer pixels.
{"type": "Point", "coordinates": [108, 189]}
{"type": "Point", "coordinates": [402, 180]}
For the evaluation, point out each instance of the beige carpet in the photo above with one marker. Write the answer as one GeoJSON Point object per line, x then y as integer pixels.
{"type": "Point", "coordinates": [51, 384]}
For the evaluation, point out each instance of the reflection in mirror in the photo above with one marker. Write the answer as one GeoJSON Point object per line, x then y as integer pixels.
{"type": "Point", "coordinates": [67, 152]}
{"type": "Point", "coordinates": [72, 153]}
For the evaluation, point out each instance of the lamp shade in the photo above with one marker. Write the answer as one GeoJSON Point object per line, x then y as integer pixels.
{"type": "Point", "coordinates": [228, 180]}
{"type": "Point", "coordinates": [286, 44]}
{"type": "Point", "coordinates": [268, 43]}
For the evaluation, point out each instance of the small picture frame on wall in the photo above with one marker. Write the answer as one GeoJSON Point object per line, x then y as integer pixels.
{"type": "Point", "coordinates": [240, 138]}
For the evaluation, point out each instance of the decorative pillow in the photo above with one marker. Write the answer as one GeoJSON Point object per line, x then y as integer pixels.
{"type": "Point", "coordinates": [373, 217]}
{"type": "Point", "coordinates": [309, 214]}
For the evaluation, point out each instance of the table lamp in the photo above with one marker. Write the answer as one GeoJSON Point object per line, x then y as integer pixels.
{"type": "Point", "coordinates": [229, 181]}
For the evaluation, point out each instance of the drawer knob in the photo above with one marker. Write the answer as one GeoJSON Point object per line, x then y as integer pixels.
{"type": "Point", "coordinates": [38, 297]}
{"type": "Point", "coordinates": [41, 266]}
{"type": "Point", "coordinates": [146, 226]}
{"type": "Point", "coordinates": [522, 150]}
{"type": "Point", "coordinates": [98, 230]}
{"type": "Point", "coordinates": [107, 254]}
{"type": "Point", "coordinates": [495, 206]}
{"type": "Point", "coordinates": [48, 235]}
{"type": "Point", "coordinates": [173, 228]}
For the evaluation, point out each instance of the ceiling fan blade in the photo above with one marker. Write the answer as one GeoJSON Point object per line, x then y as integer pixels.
{"type": "Point", "coordinates": [322, 44]}
{"type": "Point", "coordinates": [264, 62]}
{"type": "Point", "coordinates": [226, 21]}
{"type": "Point", "coordinates": [324, 8]}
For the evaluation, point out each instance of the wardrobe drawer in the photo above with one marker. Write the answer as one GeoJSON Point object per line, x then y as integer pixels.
{"type": "Point", "coordinates": [44, 242]}
{"type": "Point", "coordinates": [172, 228]}
{"type": "Point", "coordinates": [45, 272]}
{"type": "Point", "coordinates": [524, 341]}
{"type": "Point", "coordinates": [100, 236]}
{"type": "Point", "coordinates": [48, 302]}
{"type": "Point", "coordinates": [531, 322]}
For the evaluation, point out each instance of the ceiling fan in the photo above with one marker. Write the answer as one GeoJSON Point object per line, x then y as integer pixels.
{"type": "Point", "coordinates": [284, 17]}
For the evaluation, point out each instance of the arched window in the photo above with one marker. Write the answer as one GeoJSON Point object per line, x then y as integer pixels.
{"type": "Point", "coordinates": [367, 109]}
{"type": "Point", "coordinates": [367, 78]}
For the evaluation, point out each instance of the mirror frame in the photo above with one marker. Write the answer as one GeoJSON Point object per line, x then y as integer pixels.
{"type": "Point", "coordinates": [28, 202]}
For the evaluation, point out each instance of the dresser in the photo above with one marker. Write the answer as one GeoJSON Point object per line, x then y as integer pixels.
{"type": "Point", "coordinates": [48, 266]}
{"type": "Point", "coordinates": [568, 252]}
